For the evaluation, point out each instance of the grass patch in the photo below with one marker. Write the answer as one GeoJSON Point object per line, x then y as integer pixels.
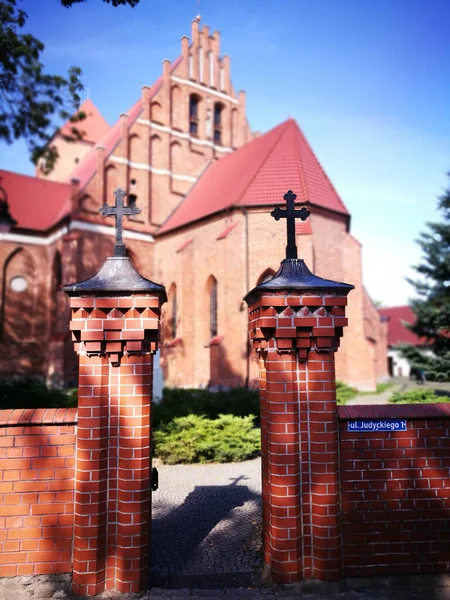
{"type": "Point", "coordinates": [344, 392]}
{"type": "Point", "coordinates": [418, 396]}
{"type": "Point", "coordinates": [196, 439]}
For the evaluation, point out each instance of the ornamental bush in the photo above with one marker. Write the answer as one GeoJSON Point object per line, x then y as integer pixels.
{"type": "Point", "coordinates": [418, 396]}
{"type": "Point", "coordinates": [344, 392]}
{"type": "Point", "coordinates": [196, 439]}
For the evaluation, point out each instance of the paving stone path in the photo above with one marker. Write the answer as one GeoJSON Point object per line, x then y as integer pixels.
{"type": "Point", "coordinates": [206, 524]}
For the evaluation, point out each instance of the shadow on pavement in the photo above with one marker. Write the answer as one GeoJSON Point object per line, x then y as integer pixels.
{"type": "Point", "coordinates": [214, 535]}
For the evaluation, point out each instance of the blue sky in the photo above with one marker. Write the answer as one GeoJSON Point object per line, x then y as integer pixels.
{"type": "Point", "coordinates": [366, 80]}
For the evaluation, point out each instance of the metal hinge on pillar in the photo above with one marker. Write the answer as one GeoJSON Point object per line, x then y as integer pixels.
{"type": "Point", "coordinates": [155, 479]}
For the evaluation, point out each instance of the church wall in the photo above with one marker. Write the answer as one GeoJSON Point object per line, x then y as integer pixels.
{"type": "Point", "coordinates": [25, 314]}
{"type": "Point", "coordinates": [356, 359]}
{"type": "Point", "coordinates": [190, 265]}
{"type": "Point", "coordinates": [70, 154]}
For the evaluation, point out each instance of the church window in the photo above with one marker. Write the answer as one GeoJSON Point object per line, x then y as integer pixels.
{"type": "Point", "coordinates": [266, 276]}
{"type": "Point", "coordinates": [211, 69]}
{"type": "Point", "coordinates": [213, 309]}
{"type": "Point", "coordinates": [18, 284]}
{"type": "Point", "coordinates": [193, 114]}
{"type": "Point", "coordinates": [17, 311]}
{"type": "Point", "coordinates": [222, 78]}
{"type": "Point", "coordinates": [132, 200]}
{"type": "Point", "coordinates": [173, 320]}
{"type": "Point", "coordinates": [218, 123]}
{"type": "Point", "coordinates": [190, 65]}
{"type": "Point", "coordinates": [57, 272]}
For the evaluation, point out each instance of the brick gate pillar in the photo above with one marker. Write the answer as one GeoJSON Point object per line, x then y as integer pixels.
{"type": "Point", "coordinates": [295, 322]}
{"type": "Point", "coordinates": [115, 325]}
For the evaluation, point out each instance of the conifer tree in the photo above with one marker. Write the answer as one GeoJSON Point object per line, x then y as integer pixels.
{"type": "Point", "coordinates": [432, 306]}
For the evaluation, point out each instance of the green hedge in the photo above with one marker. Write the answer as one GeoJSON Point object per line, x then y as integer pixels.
{"type": "Point", "coordinates": [419, 396]}
{"type": "Point", "coordinates": [344, 392]}
{"type": "Point", "coordinates": [196, 439]}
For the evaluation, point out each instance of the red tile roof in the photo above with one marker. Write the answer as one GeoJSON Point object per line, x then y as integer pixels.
{"type": "Point", "coordinates": [93, 126]}
{"type": "Point", "coordinates": [259, 173]}
{"type": "Point", "coordinates": [398, 333]}
{"type": "Point", "coordinates": [35, 203]}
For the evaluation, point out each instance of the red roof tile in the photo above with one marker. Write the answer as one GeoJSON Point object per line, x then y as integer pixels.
{"type": "Point", "coordinates": [398, 333]}
{"type": "Point", "coordinates": [93, 127]}
{"type": "Point", "coordinates": [35, 203]}
{"type": "Point", "coordinates": [259, 173]}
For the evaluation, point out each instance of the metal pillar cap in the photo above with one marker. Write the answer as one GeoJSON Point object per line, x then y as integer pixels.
{"type": "Point", "coordinates": [117, 275]}
{"type": "Point", "coordinates": [294, 275]}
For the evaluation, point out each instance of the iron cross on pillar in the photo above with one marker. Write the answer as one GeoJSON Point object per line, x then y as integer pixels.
{"type": "Point", "coordinates": [290, 214]}
{"type": "Point", "coordinates": [119, 211]}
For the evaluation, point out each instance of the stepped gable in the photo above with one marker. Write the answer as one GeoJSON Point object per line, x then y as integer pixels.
{"type": "Point", "coordinates": [258, 174]}
{"type": "Point", "coordinates": [87, 168]}
{"type": "Point", "coordinates": [93, 127]}
{"type": "Point", "coordinates": [36, 204]}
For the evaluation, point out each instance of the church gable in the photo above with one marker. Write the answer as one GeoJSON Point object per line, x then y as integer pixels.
{"type": "Point", "coordinates": [188, 118]}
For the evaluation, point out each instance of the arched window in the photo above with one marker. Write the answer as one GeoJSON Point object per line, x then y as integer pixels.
{"type": "Point", "coordinates": [18, 297]}
{"type": "Point", "coordinates": [213, 327]}
{"type": "Point", "coordinates": [111, 184]}
{"type": "Point", "coordinates": [176, 161]}
{"type": "Point", "coordinates": [265, 276]}
{"type": "Point", "coordinates": [57, 316]}
{"type": "Point", "coordinates": [173, 320]}
{"type": "Point", "coordinates": [194, 102]}
{"type": "Point", "coordinates": [176, 103]}
{"type": "Point", "coordinates": [156, 112]}
{"type": "Point", "coordinates": [218, 123]}
{"type": "Point", "coordinates": [136, 156]}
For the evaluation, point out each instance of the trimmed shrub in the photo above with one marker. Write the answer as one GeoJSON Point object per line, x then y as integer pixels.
{"type": "Point", "coordinates": [419, 396]}
{"type": "Point", "coordinates": [196, 439]}
{"type": "Point", "coordinates": [344, 392]}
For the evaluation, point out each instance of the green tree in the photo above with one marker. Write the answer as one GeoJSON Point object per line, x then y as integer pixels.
{"type": "Point", "coordinates": [33, 102]}
{"type": "Point", "coordinates": [432, 306]}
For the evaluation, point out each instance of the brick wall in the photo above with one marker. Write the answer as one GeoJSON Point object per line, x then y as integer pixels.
{"type": "Point", "coordinates": [37, 449]}
{"type": "Point", "coordinates": [396, 492]}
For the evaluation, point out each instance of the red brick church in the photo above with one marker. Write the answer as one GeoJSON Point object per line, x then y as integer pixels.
{"type": "Point", "coordinates": [205, 184]}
